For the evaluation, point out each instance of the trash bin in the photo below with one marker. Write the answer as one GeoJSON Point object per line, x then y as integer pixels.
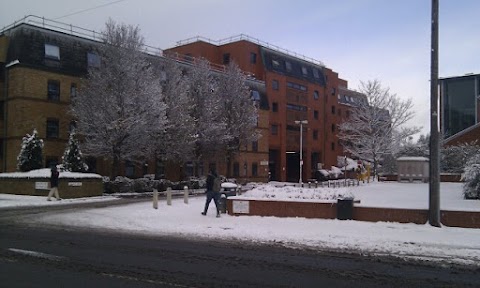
{"type": "Point", "coordinates": [222, 202]}
{"type": "Point", "coordinates": [345, 209]}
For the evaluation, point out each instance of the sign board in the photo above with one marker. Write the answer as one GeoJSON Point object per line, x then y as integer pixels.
{"type": "Point", "coordinates": [241, 207]}
{"type": "Point", "coordinates": [264, 163]}
{"type": "Point", "coordinates": [75, 184]}
{"type": "Point", "coordinates": [41, 186]}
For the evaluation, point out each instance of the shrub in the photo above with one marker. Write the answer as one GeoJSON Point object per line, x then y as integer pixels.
{"type": "Point", "coordinates": [471, 176]}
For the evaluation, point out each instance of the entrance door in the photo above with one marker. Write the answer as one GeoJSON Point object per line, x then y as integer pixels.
{"type": "Point", "coordinates": [293, 167]}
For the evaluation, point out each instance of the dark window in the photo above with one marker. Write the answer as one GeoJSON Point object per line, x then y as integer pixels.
{"type": "Point", "coordinates": [52, 128]}
{"type": "Point", "coordinates": [255, 146]}
{"type": "Point", "coordinates": [296, 107]}
{"type": "Point", "coordinates": [333, 127]}
{"type": "Point", "coordinates": [315, 73]}
{"type": "Point", "coordinates": [333, 109]}
{"type": "Point", "coordinates": [254, 169]}
{"type": "Point", "coordinates": [274, 107]}
{"type": "Point", "coordinates": [275, 63]}
{"type": "Point", "coordinates": [52, 51]}
{"type": "Point", "coordinates": [253, 57]}
{"type": "Point", "coordinates": [73, 90]}
{"type": "Point", "coordinates": [304, 71]}
{"type": "Point", "coordinates": [236, 169]}
{"type": "Point", "coordinates": [226, 58]}
{"type": "Point", "coordinates": [334, 91]}
{"type": "Point", "coordinates": [275, 84]}
{"type": "Point", "coordinates": [53, 90]}
{"type": "Point", "coordinates": [255, 95]}
{"type": "Point", "coordinates": [288, 66]}
{"type": "Point", "coordinates": [333, 146]}
{"type": "Point", "coordinates": [274, 129]}
{"type": "Point", "coordinates": [129, 169]}
{"type": "Point", "coordinates": [315, 134]}
{"type": "Point", "coordinates": [296, 86]}
{"type": "Point", "coordinates": [315, 114]}
{"type": "Point", "coordinates": [51, 161]}
{"type": "Point", "coordinates": [188, 169]}
{"type": "Point", "coordinates": [93, 60]}
{"type": "Point", "coordinates": [315, 95]}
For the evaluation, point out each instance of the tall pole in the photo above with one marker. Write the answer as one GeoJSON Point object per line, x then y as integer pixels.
{"type": "Point", "coordinates": [301, 151]}
{"type": "Point", "coordinates": [434, 191]}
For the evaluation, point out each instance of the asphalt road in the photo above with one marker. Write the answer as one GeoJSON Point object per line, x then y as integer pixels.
{"type": "Point", "coordinates": [39, 256]}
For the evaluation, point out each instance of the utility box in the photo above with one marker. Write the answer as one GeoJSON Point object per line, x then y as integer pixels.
{"type": "Point", "coordinates": [413, 168]}
{"type": "Point", "coordinates": [345, 209]}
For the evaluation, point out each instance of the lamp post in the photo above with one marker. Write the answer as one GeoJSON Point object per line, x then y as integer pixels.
{"type": "Point", "coordinates": [301, 146]}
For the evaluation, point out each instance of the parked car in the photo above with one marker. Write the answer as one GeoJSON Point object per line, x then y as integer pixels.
{"type": "Point", "coordinates": [229, 189]}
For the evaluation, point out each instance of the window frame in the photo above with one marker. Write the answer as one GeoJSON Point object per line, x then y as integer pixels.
{"type": "Point", "coordinates": [253, 58]}
{"type": "Point", "coordinates": [55, 133]}
{"type": "Point", "coordinates": [274, 106]}
{"type": "Point", "coordinates": [254, 169]}
{"type": "Point", "coordinates": [52, 51]}
{"type": "Point", "coordinates": [51, 96]}
{"type": "Point", "coordinates": [274, 129]}
{"type": "Point", "coordinates": [316, 95]}
{"type": "Point", "coordinates": [275, 84]}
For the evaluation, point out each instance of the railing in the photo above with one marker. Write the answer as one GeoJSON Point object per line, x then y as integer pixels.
{"type": "Point", "coordinates": [250, 39]}
{"type": "Point", "coordinates": [70, 30]}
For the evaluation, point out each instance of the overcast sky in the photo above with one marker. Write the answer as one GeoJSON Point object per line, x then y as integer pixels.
{"type": "Point", "coordinates": [360, 39]}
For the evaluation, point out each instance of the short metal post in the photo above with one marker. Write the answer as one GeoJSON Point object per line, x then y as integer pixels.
{"type": "Point", "coordinates": [185, 194]}
{"type": "Point", "coordinates": [169, 196]}
{"type": "Point", "coordinates": [155, 198]}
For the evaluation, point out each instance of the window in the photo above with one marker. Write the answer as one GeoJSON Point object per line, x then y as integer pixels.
{"type": "Point", "coordinates": [315, 73]}
{"type": "Point", "coordinates": [226, 58]}
{"type": "Point", "coordinates": [129, 169]}
{"type": "Point", "coordinates": [53, 90]}
{"type": "Point", "coordinates": [274, 129]}
{"type": "Point", "coordinates": [315, 134]}
{"type": "Point", "coordinates": [73, 90]}
{"type": "Point", "coordinates": [288, 66]}
{"type": "Point", "coordinates": [334, 91]}
{"type": "Point", "coordinates": [92, 164]}
{"type": "Point", "coordinates": [296, 107]}
{"type": "Point", "coordinates": [275, 84]}
{"type": "Point", "coordinates": [275, 63]}
{"type": "Point", "coordinates": [254, 169]}
{"type": "Point", "coordinates": [52, 128]}
{"type": "Point", "coordinates": [236, 169]}
{"type": "Point", "coordinates": [333, 127]}
{"type": "Point", "coordinates": [253, 58]}
{"type": "Point", "coordinates": [296, 86]}
{"type": "Point", "coordinates": [333, 146]}
{"type": "Point", "coordinates": [255, 95]}
{"type": "Point", "coordinates": [315, 114]}
{"type": "Point", "coordinates": [51, 161]}
{"type": "Point", "coordinates": [274, 107]}
{"type": "Point", "coordinates": [315, 95]}
{"type": "Point", "coordinates": [333, 109]}
{"type": "Point", "coordinates": [52, 51]}
{"type": "Point", "coordinates": [255, 146]}
{"type": "Point", "coordinates": [304, 71]}
{"type": "Point", "coordinates": [93, 60]}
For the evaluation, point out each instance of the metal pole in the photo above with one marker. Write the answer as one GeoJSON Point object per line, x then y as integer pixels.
{"type": "Point", "coordinates": [301, 154]}
{"type": "Point", "coordinates": [434, 191]}
{"type": "Point", "coordinates": [155, 199]}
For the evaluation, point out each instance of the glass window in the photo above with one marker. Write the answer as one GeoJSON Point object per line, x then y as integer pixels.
{"type": "Point", "coordinates": [226, 58]}
{"type": "Point", "coordinates": [73, 90]}
{"type": "Point", "coordinates": [253, 58]}
{"type": "Point", "coordinates": [315, 95]}
{"type": "Point", "coordinates": [274, 129]}
{"type": "Point", "coordinates": [254, 169]}
{"type": "Point", "coordinates": [53, 90]}
{"type": "Point", "coordinates": [296, 107]}
{"type": "Point", "coordinates": [255, 146]}
{"type": "Point", "coordinates": [288, 66]}
{"type": "Point", "coordinates": [315, 114]}
{"type": "Point", "coordinates": [52, 51]}
{"type": "Point", "coordinates": [275, 84]}
{"type": "Point", "coordinates": [333, 110]}
{"type": "Point", "coordinates": [255, 95]}
{"type": "Point", "coordinates": [304, 71]}
{"type": "Point", "coordinates": [274, 107]}
{"type": "Point", "coordinates": [129, 169]}
{"type": "Point", "coordinates": [334, 91]}
{"type": "Point", "coordinates": [52, 128]}
{"type": "Point", "coordinates": [93, 60]}
{"type": "Point", "coordinates": [236, 169]}
{"type": "Point", "coordinates": [315, 73]}
{"type": "Point", "coordinates": [275, 63]}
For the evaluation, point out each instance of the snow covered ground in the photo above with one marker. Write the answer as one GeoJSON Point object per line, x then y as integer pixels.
{"type": "Point", "coordinates": [443, 245]}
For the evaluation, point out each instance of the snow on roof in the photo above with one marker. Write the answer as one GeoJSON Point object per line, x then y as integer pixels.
{"type": "Point", "coordinates": [412, 159]}
{"type": "Point", "coordinates": [229, 185]}
{"type": "Point", "coordinates": [46, 173]}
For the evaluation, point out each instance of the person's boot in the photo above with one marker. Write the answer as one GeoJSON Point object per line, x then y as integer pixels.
{"type": "Point", "coordinates": [218, 214]}
{"type": "Point", "coordinates": [204, 213]}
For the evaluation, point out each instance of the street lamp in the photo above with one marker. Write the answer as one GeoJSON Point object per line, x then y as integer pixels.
{"type": "Point", "coordinates": [301, 146]}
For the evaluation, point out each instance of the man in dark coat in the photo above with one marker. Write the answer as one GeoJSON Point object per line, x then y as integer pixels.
{"type": "Point", "coordinates": [54, 184]}
{"type": "Point", "coordinates": [213, 191]}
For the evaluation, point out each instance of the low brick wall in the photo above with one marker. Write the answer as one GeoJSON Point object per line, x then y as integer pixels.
{"type": "Point", "coordinates": [67, 187]}
{"type": "Point", "coordinates": [463, 219]}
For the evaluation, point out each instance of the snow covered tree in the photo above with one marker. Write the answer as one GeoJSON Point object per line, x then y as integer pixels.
{"type": "Point", "coordinates": [375, 125]}
{"type": "Point", "coordinates": [177, 142]}
{"type": "Point", "coordinates": [119, 108]}
{"type": "Point", "coordinates": [73, 159]}
{"type": "Point", "coordinates": [453, 158]}
{"type": "Point", "coordinates": [31, 153]}
{"type": "Point", "coordinates": [471, 176]}
{"type": "Point", "coordinates": [239, 111]}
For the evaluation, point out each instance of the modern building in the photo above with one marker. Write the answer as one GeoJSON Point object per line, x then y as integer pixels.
{"type": "Point", "coordinates": [299, 89]}
{"type": "Point", "coordinates": [42, 63]}
{"type": "Point", "coordinates": [459, 102]}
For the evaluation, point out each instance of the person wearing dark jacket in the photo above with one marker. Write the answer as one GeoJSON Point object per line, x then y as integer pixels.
{"type": "Point", "coordinates": [54, 184]}
{"type": "Point", "coordinates": [213, 191]}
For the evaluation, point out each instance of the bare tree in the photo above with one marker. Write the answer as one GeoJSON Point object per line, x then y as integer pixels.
{"type": "Point", "coordinates": [239, 111]}
{"type": "Point", "coordinates": [376, 124]}
{"type": "Point", "coordinates": [119, 108]}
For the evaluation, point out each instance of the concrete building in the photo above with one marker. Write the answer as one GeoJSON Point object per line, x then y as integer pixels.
{"type": "Point", "coordinates": [42, 64]}
{"type": "Point", "coordinates": [299, 88]}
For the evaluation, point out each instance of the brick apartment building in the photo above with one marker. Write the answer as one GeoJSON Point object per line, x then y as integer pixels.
{"type": "Point", "coordinates": [42, 63]}
{"type": "Point", "coordinates": [299, 89]}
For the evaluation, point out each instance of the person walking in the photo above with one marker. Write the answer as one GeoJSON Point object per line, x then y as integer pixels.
{"type": "Point", "coordinates": [54, 184]}
{"type": "Point", "coordinates": [213, 191]}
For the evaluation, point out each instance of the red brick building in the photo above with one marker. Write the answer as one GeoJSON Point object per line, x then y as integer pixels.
{"type": "Point", "coordinates": [298, 88]}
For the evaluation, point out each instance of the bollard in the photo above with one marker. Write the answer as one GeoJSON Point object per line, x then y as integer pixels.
{"type": "Point", "coordinates": [185, 194]}
{"type": "Point", "coordinates": [169, 196]}
{"type": "Point", "coordinates": [316, 184]}
{"type": "Point", "coordinates": [155, 198]}
{"type": "Point", "coordinates": [309, 185]}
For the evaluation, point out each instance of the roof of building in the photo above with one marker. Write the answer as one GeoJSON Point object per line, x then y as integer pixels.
{"type": "Point", "coordinates": [462, 133]}
{"type": "Point", "coordinates": [460, 76]}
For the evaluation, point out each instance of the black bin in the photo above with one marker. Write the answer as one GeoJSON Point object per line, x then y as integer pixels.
{"type": "Point", "coordinates": [345, 209]}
